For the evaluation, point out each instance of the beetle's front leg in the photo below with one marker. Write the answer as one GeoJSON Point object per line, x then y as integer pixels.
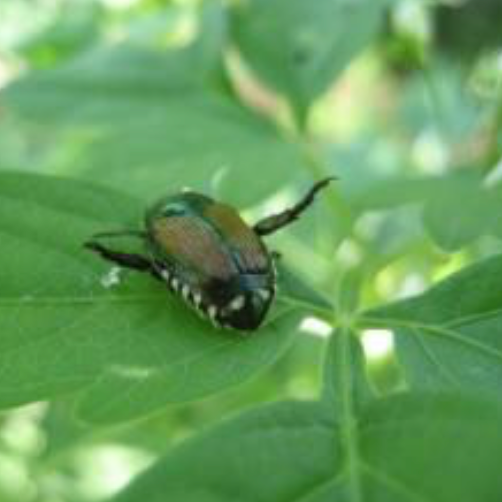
{"type": "Point", "coordinates": [125, 260]}
{"type": "Point", "coordinates": [275, 222]}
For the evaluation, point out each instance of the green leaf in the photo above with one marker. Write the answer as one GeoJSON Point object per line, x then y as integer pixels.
{"type": "Point", "coordinates": [145, 122]}
{"type": "Point", "coordinates": [300, 47]}
{"type": "Point", "coordinates": [440, 99]}
{"type": "Point", "coordinates": [297, 292]}
{"type": "Point", "coordinates": [358, 450]}
{"type": "Point", "coordinates": [276, 453]}
{"type": "Point", "coordinates": [390, 192]}
{"type": "Point", "coordinates": [450, 223]}
{"type": "Point", "coordinates": [450, 337]}
{"type": "Point", "coordinates": [68, 33]}
{"type": "Point", "coordinates": [130, 349]}
{"type": "Point", "coordinates": [408, 450]}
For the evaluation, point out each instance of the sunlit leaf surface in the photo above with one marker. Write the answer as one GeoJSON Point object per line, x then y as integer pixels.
{"type": "Point", "coordinates": [451, 336]}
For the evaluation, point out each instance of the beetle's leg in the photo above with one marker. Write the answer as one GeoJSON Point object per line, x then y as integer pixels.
{"type": "Point", "coordinates": [120, 233]}
{"type": "Point", "coordinates": [275, 222]}
{"type": "Point", "coordinates": [126, 260]}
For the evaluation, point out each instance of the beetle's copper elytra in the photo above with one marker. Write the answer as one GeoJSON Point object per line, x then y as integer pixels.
{"type": "Point", "coordinates": [205, 252]}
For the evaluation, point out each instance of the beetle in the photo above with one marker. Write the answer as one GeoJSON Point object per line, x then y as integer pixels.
{"type": "Point", "coordinates": [205, 252]}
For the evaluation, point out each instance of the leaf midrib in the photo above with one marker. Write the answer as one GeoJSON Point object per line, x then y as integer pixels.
{"type": "Point", "coordinates": [349, 423]}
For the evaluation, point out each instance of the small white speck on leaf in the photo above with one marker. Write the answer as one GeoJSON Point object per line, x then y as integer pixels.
{"type": "Point", "coordinates": [111, 278]}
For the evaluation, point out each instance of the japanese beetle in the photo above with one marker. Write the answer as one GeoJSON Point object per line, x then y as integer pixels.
{"type": "Point", "coordinates": [205, 252]}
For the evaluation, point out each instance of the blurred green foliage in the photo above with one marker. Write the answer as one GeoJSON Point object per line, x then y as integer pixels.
{"type": "Point", "coordinates": [107, 104]}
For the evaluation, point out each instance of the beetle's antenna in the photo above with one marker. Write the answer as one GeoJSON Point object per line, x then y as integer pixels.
{"type": "Point", "coordinates": [275, 222]}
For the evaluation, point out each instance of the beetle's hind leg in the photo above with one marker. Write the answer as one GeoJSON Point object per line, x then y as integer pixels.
{"type": "Point", "coordinates": [275, 222]}
{"type": "Point", "coordinates": [126, 260]}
